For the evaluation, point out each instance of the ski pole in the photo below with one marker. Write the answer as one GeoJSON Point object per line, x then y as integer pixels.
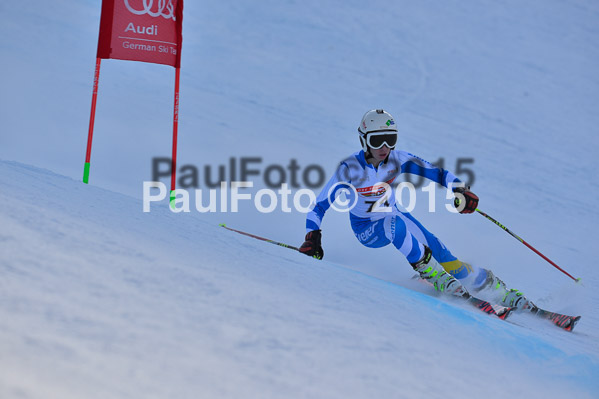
{"type": "Point", "coordinates": [527, 244]}
{"type": "Point", "coordinates": [260, 238]}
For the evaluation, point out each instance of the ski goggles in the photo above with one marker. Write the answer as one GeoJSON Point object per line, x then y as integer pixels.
{"type": "Point", "coordinates": [379, 139]}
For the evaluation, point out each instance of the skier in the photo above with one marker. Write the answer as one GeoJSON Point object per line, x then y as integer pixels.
{"type": "Point", "coordinates": [375, 223]}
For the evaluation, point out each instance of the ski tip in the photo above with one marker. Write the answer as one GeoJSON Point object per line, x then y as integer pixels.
{"type": "Point", "coordinates": [222, 225]}
{"type": "Point", "coordinates": [573, 323]}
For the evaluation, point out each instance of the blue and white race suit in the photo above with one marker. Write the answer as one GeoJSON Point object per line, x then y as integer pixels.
{"type": "Point", "coordinates": [376, 218]}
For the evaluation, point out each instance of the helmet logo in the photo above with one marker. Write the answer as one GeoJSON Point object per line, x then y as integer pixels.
{"type": "Point", "coordinates": [390, 122]}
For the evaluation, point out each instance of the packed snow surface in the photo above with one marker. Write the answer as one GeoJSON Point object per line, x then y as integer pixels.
{"type": "Point", "coordinates": [99, 299]}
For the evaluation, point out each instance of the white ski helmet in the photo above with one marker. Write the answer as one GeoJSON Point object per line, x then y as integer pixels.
{"type": "Point", "coordinates": [375, 121]}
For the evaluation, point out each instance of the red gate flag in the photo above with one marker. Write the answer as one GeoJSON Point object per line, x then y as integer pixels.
{"type": "Point", "coordinates": [141, 30]}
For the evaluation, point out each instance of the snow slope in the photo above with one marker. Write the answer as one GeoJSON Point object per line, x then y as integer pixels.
{"type": "Point", "coordinates": [101, 300]}
{"type": "Point", "coordinates": [510, 84]}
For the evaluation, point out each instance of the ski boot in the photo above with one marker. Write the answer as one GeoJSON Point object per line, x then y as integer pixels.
{"type": "Point", "coordinates": [433, 272]}
{"type": "Point", "coordinates": [506, 297]}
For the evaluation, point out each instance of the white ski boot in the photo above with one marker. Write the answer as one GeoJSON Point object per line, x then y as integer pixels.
{"type": "Point", "coordinates": [430, 270]}
{"type": "Point", "coordinates": [507, 297]}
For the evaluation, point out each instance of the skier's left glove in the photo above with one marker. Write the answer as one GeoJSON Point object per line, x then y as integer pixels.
{"type": "Point", "coordinates": [465, 200]}
{"type": "Point", "coordinates": [312, 246]}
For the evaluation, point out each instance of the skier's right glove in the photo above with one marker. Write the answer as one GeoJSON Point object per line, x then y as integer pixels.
{"type": "Point", "coordinates": [311, 246]}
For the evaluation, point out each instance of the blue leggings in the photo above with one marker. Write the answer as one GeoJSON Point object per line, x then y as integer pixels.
{"type": "Point", "coordinates": [402, 230]}
{"type": "Point", "coordinates": [409, 236]}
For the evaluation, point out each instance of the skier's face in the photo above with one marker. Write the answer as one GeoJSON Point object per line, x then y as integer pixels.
{"type": "Point", "coordinates": [380, 154]}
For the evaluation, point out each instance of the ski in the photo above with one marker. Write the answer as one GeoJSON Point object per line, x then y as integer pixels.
{"type": "Point", "coordinates": [493, 309]}
{"type": "Point", "coordinates": [563, 321]}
